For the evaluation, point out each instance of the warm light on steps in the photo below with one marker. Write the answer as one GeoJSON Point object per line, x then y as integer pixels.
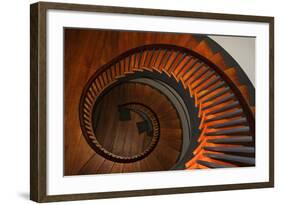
{"type": "Point", "coordinates": [209, 90]}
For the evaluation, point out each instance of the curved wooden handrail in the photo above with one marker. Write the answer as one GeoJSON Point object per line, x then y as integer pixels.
{"type": "Point", "coordinates": [128, 159]}
{"type": "Point", "coordinates": [119, 68]}
{"type": "Point", "coordinates": [134, 51]}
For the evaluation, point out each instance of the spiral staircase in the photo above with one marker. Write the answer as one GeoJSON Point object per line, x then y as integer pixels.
{"type": "Point", "coordinates": [167, 107]}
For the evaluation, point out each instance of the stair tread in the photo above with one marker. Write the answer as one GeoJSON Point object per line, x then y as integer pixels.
{"type": "Point", "coordinates": [185, 68]}
{"type": "Point", "coordinates": [218, 60]}
{"type": "Point", "coordinates": [238, 121]}
{"type": "Point", "coordinates": [193, 68]}
{"type": "Point", "coordinates": [174, 124]}
{"type": "Point", "coordinates": [212, 164]}
{"type": "Point", "coordinates": [192, 43]}
{"type": "Point", "coordinates": [227, 115]}
{"type": "Point", "coordinates": [211, 81]}
{"type": "Point", "coordinates": [226, 107]}
{"type": "Point", "coordinates": [219, 101]}
{"type": "Point", "coordinates": [105, 167]}
{"type": "Point", "coordinates": [93, 165]}
{"type": "Point", "coordinates": [217, 94]}
{"type": "Point", "coordinates": [172, 62]}
{"type": "Point", "coordinates": [204, 49]}
{"type": "Point", "coordinates": [169, 156]}
{"type": "Point", "coordinates": [209, 91]}
{"type": "Point", "coordinates": [232, 139]}
{"type": "Point", "coordinates": [204, 79]}
{"type": "Point", "coordinates": [229, 131]}
{"type": "Point", "coordinates": [154, 163]}
{"type": "Point", "coordinates": [204, 70]}
{"type": "Point", "coordinates": [232, 74]}
{"type": "Point", "coordinates": [117, 167]}
{"type": "Point", "coordinates": [245, 92]}
{"type": "Point", "coordinates": [240, 149]}
{"type": "Point", "coordinates": [235, 158]}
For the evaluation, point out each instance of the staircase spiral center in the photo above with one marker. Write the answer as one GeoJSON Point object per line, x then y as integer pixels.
{"type": "Point", "coordinates": [125, 121]}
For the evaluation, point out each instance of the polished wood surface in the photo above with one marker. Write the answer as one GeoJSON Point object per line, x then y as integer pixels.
{"type": "Point", "coordinates": [118, 136]}
{"type": "Point", "coordinates": [86, 51]}
{"type": "Point", "coordinates": [202, 72]}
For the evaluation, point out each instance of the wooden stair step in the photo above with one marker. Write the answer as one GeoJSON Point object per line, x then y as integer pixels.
{"type": "Point", "coordinates": [136, 166]}
{"type": "Point", "coordinates": [219, 101]}
{"type": "Point", "coordinates": [245, 92]}
{"type": "Point", "coordinates": [174, 141]}
{"type": "Point", "coordinates": [216, 95]}
{"type": "Point", "coordinates": [154, 163]}
{"type": "Point", "coordinates": [204, 49]}
{"type": "Point", "coordinates": [167, 116]}
{"type": "Point", "coordinates": [240, 121]}
{"type": "Point", "coordinates": [225, 108]}
{"type": "Point", "coordinates": [167, 59]}
{"type": "Point", "coordinates": [203, 94]}
{"type": "Point", "coordinates": [151, 57]}
{"type": "Point", "coordinates": [187, 66]}
{"type": "Point", "coordinates": [175, 78]}
{"type": "Point", "coordinates": [192, 43]}
{"type": "Point", "coordinates": [203, 80]}
{"type": "Point", "coordinates": [228, 115]}
{"type": "Point", "coordinates": [231, 140]}
{"type": "Point", "coordinates": [180, 61]}
{"type": "Point", "coordinates": [93, 165]}
{"type": "Point", "coordinates": [212, 164]}
{"type": "Point", "coordinates": [232, 74]}
{"type": "Point", "coordinates": [253, 108]}
{"type": "Point", "coordinates": [169, 131]}
{"type": "Point", "coordinates": [205, 69]}
{"type": "Point", "coordinates": [144, 166]}
{"type": "Point", "coordinates": [128, 168]}
{"type": "Point", "coordinates": [163, 107]}
{"type": "Point", "coordinates": [137, 60]}
{"type": "Point", "coordinates": [218, 60]}
{"type": "Point", "coordinates": [209, 84]}
{"type": "Point", "coordinates": [131, 167]}
{"type": "Point", "coordinates": [182, 65]}
{"type": "Point", "coordinates": [232, 158]}
{"type": "Point", "coordinates": [174, 124]}
{"type": "Point", "coordinates": [169, 157]}
{"type": "Point", "coordinates": [106, 167]}
{"type": "Point", "coordinates": [173, 61]}
{"type": "Point", "coordinates": [239, 149]}
{"type": "Point", "coordinates": [230, 131]}
{"type": "Point", "coordinates": [191, 70]}
{"type": "Point", "coordinates": [162, 56]}
{"type": "Point", "coordinates": [140, 58]}
{"type": "Point", "coordinates": [117, 167]}
{"type": "Point", "coordinates": [195, 71]}
{"type": "Point", "coordinates": [157, 54]}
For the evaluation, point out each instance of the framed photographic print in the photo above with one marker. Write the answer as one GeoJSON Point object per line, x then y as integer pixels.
{"type": "Point", "coordinates": [133, 102]}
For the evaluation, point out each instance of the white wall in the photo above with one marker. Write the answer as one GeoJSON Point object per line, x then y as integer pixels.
{"type": "Point", "coordinates": [14, 109]}
{"type": "Point", "coordinates": [242, 49]}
